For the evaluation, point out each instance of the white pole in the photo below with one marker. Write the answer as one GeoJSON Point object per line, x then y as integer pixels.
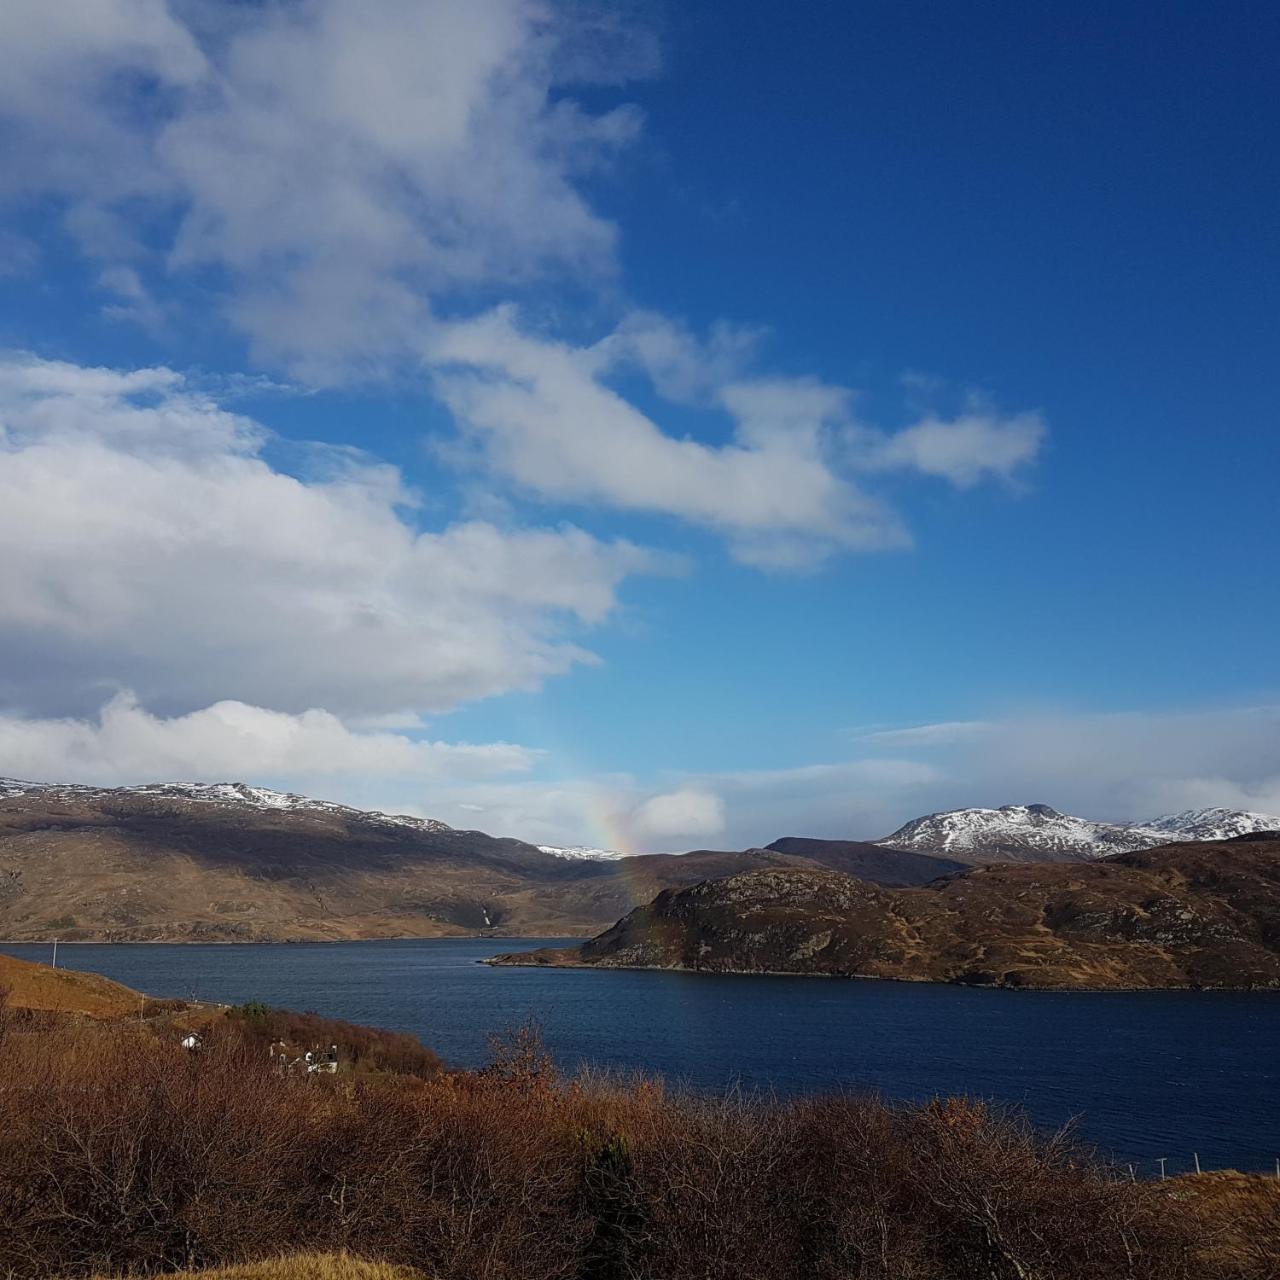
{"type": "Point", "coordinates": [1163, 1159]}
{"type": "Point", "coordinates": [1195, 1155]}
{"type": "Point", "coordinates": [55, 953]}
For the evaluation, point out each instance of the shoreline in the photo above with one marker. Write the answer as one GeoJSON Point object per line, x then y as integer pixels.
{"type": "Point", "coordinates": [281, 942]}
{"type": "Point", "coordinates": [496, 963]}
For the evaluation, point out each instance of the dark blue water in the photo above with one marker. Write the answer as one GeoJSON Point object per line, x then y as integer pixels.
{"type": "Point", "coordinates": [1148, 1074]}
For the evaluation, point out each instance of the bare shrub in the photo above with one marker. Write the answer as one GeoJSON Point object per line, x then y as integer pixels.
{"type": "Point", "coordinates": [122, 1153]}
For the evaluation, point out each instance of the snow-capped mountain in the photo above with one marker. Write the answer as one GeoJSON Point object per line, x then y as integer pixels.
{"type": "Point", "coordinates": [1021, 832]}
{"type": "Point", "coordinates": [1035, 832]}
{"type": "Point", "coordinates": [229, 793]}
{"type": "Point", "coordinates": [245, 796]}
{"type": "Point", "coordinates": [580, 853]}
{"type": "Point", "coordinates": [1214, 824]}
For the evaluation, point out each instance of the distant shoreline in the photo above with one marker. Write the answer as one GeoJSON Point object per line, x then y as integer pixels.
{"type": "Point", "coordinates": [497, 962]}
{"type": "Point", "coordinates": [280, 942]}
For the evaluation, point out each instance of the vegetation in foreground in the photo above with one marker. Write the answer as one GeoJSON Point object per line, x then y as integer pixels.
{"type": "Point", "coordinates": [121, 1153]}
{"type": "Point", "coordinates": [306, 1266]}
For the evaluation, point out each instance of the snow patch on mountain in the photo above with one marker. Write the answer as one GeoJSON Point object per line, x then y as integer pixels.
{"type": "Point", "coordinates": [580, 853]}
{"type": "Point", "coordinates": [229, 793]}
{"type": "Point", "coordinates": [1214, 824]}
{"type": "Point", "coordinates": [1021, 831]}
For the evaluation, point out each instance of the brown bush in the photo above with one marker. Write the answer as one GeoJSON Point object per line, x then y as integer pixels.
{"type": "Point", "coordinates": [121, 1153]}
{"type": "Point", "coordinates": [360, 1048]}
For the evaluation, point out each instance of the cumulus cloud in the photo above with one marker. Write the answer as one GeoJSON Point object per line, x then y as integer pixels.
{"type": "Point", "coordinates": [683, 367]}
{"type": "Point", "coordinates": [150, 545]}
{"type": "Point", "coordinates": [125, 744]}
{"type": "Point", "coordinates": [691, 811]}
{"type": "Point", "coordinates": [785, 488]}
{"type": "Point", "coordinates": [342, 164]}
{"type": "Point", "coordinates": [963, 450]}
{"type": "Point", "coordinates": [344, 177]}
{"type": "Point", "coordinates": [546, 421]}
{"type": "Point", "coordinates": [729, 810]}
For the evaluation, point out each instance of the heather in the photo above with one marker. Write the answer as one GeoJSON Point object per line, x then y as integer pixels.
{"type": "Point", "coordinates": [121, 1153]}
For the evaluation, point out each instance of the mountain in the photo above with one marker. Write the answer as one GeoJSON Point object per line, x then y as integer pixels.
{"type": "Point", "coordinates": [896, 868]}
{"type": "Point", "coordinates": [1204, 914]}
{"type": "Point", "coordinates": [581, 853]}
{"type": "Point", "coordinates": [1214, 824]}
{"type": "Point", "coordinates": [1037, 833]}
{"type": "Point", "coordinates": [226, 793]}
{"type": "Point", "coordinates": [229, 862]}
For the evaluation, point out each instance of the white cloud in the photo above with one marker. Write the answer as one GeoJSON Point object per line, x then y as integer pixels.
{"type": "Point", "coordinates": [690, 811]}
{"type": "Point", "coordinates": [230, 740]}
{"type": "Point", "coordinates": [784, 488]}
{"type": "Point", "coordinates": [149, 545]}
{"type": "Point", "coordinates": [1111, 766]}
{"type": "Point", "coordinates": [683, 368]}
{"type": "Point", "coordinates": [963, 450]}
{"type": "Point", "coordinates": [857, 798]}
{"type": "Point", "coordinates": [342, 163]}
{"type": "Point", "coordinates": [546, 422]}
{"type": "Point", "coordinates": [946, 733]}
{"type": "Point", "coordinates": [1126, 765]}
{"type": "Point", "coordinates": [342, 176]}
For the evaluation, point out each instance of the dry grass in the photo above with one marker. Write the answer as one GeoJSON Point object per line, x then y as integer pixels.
{"type": "Point", "coordinates": [305, 1266]}
{"type": "Point", "coordinates": [1237, 1217]}
{"type": "Point", "coordinates": [38, 987]}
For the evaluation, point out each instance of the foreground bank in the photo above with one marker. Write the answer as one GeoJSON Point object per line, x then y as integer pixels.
{"type": "Point", "coordinates": [123, 1152]}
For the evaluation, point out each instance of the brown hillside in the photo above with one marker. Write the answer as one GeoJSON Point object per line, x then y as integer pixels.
{"type": "Point", "coordinates": [1196, 915]}
{"type": "Point", "coordinates": [37, 986]}
{"type": "Point", "coordinates": [122, 866]}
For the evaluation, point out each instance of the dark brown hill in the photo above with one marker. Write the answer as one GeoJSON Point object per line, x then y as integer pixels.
{"type": "Point", "coordinates": [136, 865]}
{"type": "Point", "coordinates": [895, 868]}
{"type": "Point", "coordinates": [1192, 915]}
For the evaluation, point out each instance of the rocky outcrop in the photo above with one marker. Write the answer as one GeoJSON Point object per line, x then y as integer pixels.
{"type": "Point", "coordinates": [1201, 915]}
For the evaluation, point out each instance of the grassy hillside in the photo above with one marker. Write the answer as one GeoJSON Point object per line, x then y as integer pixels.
{"type": "Point", "coordinates": [37, 986]}
{"type": "Point", "coordinates": [122, 866]}
{"type": "Point", "coordinates": [1198, 915]}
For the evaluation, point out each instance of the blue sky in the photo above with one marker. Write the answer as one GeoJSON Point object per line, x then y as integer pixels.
{"type": "Point", "coordinates": [731, 427]}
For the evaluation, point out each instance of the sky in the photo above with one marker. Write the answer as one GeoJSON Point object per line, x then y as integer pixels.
{"type": "Point", "coordinates": [641, 425]}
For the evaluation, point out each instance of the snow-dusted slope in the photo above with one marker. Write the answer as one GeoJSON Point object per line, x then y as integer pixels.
{"type": "Point", "coordinates": [1035, 832]}
{"type": "Point", "coordinates": [1022, 833]}
{"type": "Point", "coordinates": [230, 793]}
{"type": "Point", "coordinates": [580, 853]}
{"type": "Point", "coordinates": [1213, 824]}
{"type": "Point", "coordinates": [241, 794]}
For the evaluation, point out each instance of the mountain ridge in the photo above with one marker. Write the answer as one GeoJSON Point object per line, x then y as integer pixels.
{"type": "Point", "coordinates": [226, 862]}
{"type": "Point", "coordinates": [1040, 833]}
